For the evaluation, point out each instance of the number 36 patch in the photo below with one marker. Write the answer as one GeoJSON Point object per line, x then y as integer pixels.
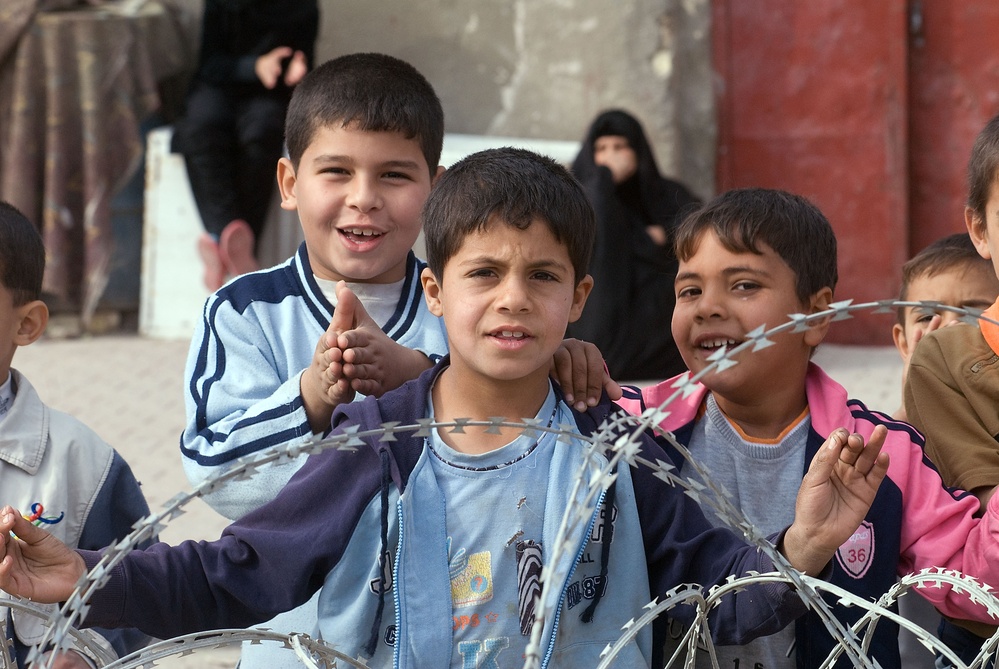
{"type": "Point", "coordinates": [857, 554]}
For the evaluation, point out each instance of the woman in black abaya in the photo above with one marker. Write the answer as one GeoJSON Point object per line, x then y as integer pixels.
{"type": "Point", "coordinates": [629, 311]}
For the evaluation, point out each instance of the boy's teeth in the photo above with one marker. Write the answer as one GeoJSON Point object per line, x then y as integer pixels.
{"type": "Point", "coordinates": [515, 335]}
{"type": "Point", "coordinates": [718, 343]}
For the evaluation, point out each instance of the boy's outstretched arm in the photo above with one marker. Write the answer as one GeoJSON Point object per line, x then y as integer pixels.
{"type": "Point", "coordinates": [34, 564]}
{"type": "Point", "coordinates": [834, 497]}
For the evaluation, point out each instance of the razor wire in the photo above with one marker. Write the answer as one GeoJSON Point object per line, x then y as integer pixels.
{"type": "Point", "coordinates": [615, 442]}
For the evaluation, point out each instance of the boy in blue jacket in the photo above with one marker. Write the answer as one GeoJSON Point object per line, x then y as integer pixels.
{"type": "Point", "coordinates": [393, 530]}
{"type": "Point", "coordinates": [278, 350]}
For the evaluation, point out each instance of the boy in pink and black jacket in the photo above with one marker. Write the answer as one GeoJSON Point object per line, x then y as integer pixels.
{"type": "Point", "coordinates": [748, 259]}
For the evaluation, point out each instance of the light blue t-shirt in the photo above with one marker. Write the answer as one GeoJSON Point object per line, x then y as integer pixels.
{"type": "Point", "coordinates": [494, 509]}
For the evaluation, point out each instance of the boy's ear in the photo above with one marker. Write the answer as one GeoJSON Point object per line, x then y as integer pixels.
{"type": "Point", "coordinates": [976, 230]}
{"type": "Point", "coordinates": [33, 317]}
{"type": "Point", "coordinates": [432, 292]}
{"type": "Point", "coordinates": [819, 301]}
{"type": "Point", "coordinates": [440, 171]}
{"type": "Point", "coordinates": [901, 343]}
{"type": "Point", "coordinates": [286, 184]}
{"type": "Point", "coordinates": [579, 295]}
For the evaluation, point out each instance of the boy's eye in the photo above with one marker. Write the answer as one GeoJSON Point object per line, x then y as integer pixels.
{"type": "Point", "coordinates": [688, 291]}
{"type": "Point", "coordinates": [482, 272]}
{"type": "Point", "coordinates": [544, 276]}
{"type": "Point", "coordinates": [746, 285]}
{"type": "Point", "coordinates": [396, 175]}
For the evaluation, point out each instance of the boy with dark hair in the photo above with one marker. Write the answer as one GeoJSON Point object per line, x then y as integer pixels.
{"type": "Point", "coordinates": [953, 387]}
{"type": "Point", "coordinates": [275, 352]}
{"type": "Point", "coordinates": [748, 260]}
{"type": "Point", "coordinates": [278, 350]}
{"type": "Point", "coordinates": [949, 271]}
{"type": "Point", "coordinates": [508, 234]}
{"type": "Point", "coordinates": [65, 475]}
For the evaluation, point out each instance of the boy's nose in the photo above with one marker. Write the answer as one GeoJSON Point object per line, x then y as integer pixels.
{"type": "Point", "coordinates": [364, 195]}
{"type": "Point", "coordinates": [514, 295]}
{"type": "Point", "coordinates": [709, 306]}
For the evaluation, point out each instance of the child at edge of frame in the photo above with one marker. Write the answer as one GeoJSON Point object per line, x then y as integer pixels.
{"type": "Point", "coordinates": [65, 475]}
{"type": "Point", "coordinates": [949, 272]}
{"type": "Point", "coordinates": [751, 258]}
{"type": "Point", "coordinates": [952, 386]}
{"type": "Point", "coordinates": [508, 235]}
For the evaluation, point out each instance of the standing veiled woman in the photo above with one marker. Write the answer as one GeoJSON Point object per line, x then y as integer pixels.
{"type": "Point", "coordinates": [628, 314]}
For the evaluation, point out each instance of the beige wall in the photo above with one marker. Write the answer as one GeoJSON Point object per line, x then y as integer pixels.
{"type": "Point", "coordinates": [545, 68]}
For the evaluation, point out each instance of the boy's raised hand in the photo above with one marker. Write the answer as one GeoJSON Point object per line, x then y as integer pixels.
{"type": "Point", "coordinates": [834, 497]}
{"type": "Point", "coordinates": [917, 336]}
{"type": "Point", "coordinates": [353, 356]}
{"type": "Point", "coordinates": [372, 361]}
{"type": "Point", "coordinates": [34, 564]}
{"type": "Point", "coordinates": [324, 385]}
{"type": "Point", "coordinates": [578, 367]}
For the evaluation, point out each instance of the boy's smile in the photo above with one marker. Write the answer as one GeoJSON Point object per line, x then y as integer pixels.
{"type": "Point", "coordinates": [358, 195]}
{"type": "Point", "coordinates": [506, 297]}
{"type": "Point", "coordinates": [722, 295]}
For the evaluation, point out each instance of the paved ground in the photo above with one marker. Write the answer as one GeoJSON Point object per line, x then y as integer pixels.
{"type": "Point", "coordinates": [128, 389]}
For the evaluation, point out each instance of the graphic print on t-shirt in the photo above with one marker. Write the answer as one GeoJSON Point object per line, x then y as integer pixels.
{"type": "Point", "coordinates": [471, 577]}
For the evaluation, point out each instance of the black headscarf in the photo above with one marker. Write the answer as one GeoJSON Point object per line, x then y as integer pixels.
{"type": "Point", "coordinates": [656, 199]}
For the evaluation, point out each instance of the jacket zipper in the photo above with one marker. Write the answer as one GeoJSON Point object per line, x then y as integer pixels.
{"type": "Point", "coordinates": [568, 578]}
{"type": "Point", "coordinates": [395, 587]}
{"type": "Point", "coordinates": [981, 363]}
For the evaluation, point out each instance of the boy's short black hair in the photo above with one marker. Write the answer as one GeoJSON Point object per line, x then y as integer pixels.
{"type": "Point", "coordinates": [367, 91]}
{"type": "Point", "coordinates": [792, 226]}
{"type": "Point", "coordinates": [944, 254]}
{"type": "Point", "coordinates": [983, 169]}
{"type": "Point", "coordinates": [515, 186]}
{"type": "Point", "coordinates": [22, 255]}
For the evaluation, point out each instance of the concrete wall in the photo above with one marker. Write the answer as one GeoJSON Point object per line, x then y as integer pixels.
{"type": "Point", "coordinates": [545, 68]}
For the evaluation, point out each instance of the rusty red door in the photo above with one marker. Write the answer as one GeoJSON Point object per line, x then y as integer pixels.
{"type": "Point", "coordinates": [954, 91]}
{"type": "Point", "coordinates": [868, 109]}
